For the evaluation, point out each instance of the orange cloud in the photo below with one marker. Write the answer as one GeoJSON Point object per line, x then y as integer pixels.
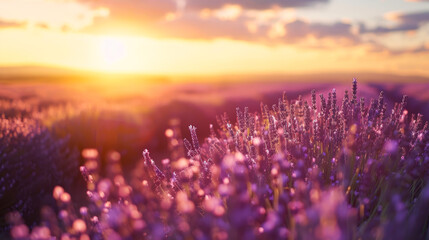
{"type": "Point", "coordinates": [228, 12]}
{"type": "Point", "coordinates": [10, 24]}
{"type": "Point", "coordinates": [51, 14]}
{"type": "Point", "coordinates": [268, 22]}
{"type": "Point", "coordinates": [255, 21]}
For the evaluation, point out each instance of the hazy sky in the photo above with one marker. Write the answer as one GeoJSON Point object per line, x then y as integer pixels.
{"type": "Point", "coordinates": [218, 36]}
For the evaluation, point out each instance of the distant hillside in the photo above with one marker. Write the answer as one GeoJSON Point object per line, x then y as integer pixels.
{"type": "Point", "coordinates": [57, 74]}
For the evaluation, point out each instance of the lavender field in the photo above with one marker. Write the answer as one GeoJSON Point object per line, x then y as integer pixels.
{"type": "Point", "coordinates": [214, 119]}
{"type": "Point", "coordinates": [327, 158]}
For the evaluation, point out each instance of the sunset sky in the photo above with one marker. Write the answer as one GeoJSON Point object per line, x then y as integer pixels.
{"type": "Point", "coordinates": [217, 36]}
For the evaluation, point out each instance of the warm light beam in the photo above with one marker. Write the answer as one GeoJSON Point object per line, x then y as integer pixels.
{"type": "Point", "coordinates": [112, 52]}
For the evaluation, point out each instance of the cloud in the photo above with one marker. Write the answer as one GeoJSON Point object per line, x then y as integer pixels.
{"type": "Point", "coordinates": [421, 49]}
{"type": "Point", "coordinates": [405, 22]}
{"type": "Point", "coordinates": [267, 21]}
{"type": "Point", "coordinates": [245, 28]}
{"type": "Point", "coordinates": [414, 18]}
{"type": "Point", "coordinates": [379, 47]}
{"type": "Point", "coordinates": [402, 23]}
{"type": "Point", "coordinates": [130, 17]}
{"type": "Point", "coordinates": [192, 26]}
{"type": "Point", "coordinates": [171, 19]}
{"type": "Point", "coordinates": [382, 30]}
{"type": "Point", "coordinates": [142, 15]}
{"type": "Point", "coordinates": [299, 29]}
{"type": "Point", "coordinates": [141, 10]}
{"type": "Point", "coordinates": [10, 24]}
{"type": "Point", "coordinates": [53, 14]}
{"type": "Point", "coordinates": [252, 4]}
{"type": "Point", "coordinates": [246, 20]}
{"type": "Point", "coordinates": [414, 50]}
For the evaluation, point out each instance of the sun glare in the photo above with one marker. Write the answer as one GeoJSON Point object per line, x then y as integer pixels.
{"type": "Point", "coordinates": [112, 52]}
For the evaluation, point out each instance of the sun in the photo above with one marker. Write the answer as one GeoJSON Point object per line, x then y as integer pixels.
{"type": "Point", "coordinates": [112, 51]}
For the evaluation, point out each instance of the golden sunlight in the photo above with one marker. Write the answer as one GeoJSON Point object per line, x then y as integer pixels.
{"type": "Point", "coordinates": [112, 51]}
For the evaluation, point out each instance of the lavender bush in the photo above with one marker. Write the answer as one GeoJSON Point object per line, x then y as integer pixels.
{"type": "Point", "coordinates": [32, 162]}
{"type": "Point", "coordinates": [298, 170]}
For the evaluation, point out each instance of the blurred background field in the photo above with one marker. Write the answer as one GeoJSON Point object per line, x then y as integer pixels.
{"type": "Point", "coordinates": [129, 112]}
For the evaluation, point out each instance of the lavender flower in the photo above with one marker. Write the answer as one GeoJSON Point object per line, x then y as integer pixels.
{"type": "Point", "coordinates": [295, 171]}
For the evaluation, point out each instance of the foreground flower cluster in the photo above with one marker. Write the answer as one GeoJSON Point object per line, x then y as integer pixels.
{"type": "Point", "coordinates": [298, 170]}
